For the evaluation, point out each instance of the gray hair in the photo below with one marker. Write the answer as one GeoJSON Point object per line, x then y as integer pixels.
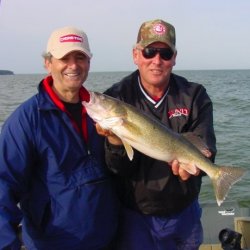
{"type": "Point", "coordinates": [47, 55]}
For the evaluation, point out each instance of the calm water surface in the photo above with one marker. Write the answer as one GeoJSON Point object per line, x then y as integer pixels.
{"type": "Point", "coordinates": [228, 89]}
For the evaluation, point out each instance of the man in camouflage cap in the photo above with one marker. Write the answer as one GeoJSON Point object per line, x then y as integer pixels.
{"type": "Point", "coordinates": [161, 209]}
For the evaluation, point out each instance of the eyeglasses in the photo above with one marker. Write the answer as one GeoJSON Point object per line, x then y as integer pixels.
{"type": "Point", "coordinates": [165, 53]}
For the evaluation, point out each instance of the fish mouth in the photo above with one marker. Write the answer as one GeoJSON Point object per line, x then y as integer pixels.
{"type": "Point", "coordinates": [91, 99]}
{"type": "Point", "coordinates": [94, 97]}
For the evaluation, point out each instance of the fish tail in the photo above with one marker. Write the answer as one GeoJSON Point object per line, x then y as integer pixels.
{"type": "Point", "coordinates": [224, 180]}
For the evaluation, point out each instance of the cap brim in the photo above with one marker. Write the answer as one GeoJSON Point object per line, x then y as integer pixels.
{"type": "Point", "coordinates": [148, 42]}
{"type": "Point", "coordinates": [58, 54]}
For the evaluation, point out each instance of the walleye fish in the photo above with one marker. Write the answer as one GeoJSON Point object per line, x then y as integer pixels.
{"type": "Point", "coordinates": [150, 137]}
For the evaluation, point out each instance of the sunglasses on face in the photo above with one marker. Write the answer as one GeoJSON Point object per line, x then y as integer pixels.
{"type": "Point", "coordinates": [165, 53]}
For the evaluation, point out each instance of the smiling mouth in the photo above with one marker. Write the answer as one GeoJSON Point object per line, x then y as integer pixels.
{"type": "Point", "coordinates": [156, 71]}
{"type": "Point", "coordinates": [72, 74]}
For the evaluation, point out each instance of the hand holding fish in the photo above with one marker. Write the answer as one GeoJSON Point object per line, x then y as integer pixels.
{"type": "Point", "coordinates": [112, 138]}
{"type": "Point", "coordinates": [178, 170]}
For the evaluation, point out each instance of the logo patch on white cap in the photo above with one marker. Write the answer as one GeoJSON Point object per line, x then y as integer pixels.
{"type": "Point", "coordinates": [159, 29]}
{"type": "Point", "coordinates": [71, 38]}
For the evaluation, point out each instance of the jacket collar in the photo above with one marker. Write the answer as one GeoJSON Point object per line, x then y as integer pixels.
{"type": "Point", "coordinates": [49, 100]}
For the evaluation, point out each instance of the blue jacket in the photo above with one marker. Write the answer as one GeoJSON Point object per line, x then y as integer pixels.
{"type": "Point", "coordinates": [65, 197]}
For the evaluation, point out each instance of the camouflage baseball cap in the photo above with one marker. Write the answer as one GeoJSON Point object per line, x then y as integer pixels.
{"type": "Point", "coordinates": [156, 31]}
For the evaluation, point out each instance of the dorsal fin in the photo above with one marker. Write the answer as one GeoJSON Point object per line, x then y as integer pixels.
{"type": "Point", "coordinates": [198, 143]}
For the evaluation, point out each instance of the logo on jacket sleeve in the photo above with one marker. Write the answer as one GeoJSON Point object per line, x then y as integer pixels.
{"type": "Point", "coordinates": [178, 112]}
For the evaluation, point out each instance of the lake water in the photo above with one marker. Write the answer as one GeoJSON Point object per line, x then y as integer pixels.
{"type": "Point", "coordinates": [228, 89]}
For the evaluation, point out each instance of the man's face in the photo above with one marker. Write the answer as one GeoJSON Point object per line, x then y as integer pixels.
{"type": "Point", "coordinates": [156, 70]}
{"type": "Point", "coordinates": [69, 72]}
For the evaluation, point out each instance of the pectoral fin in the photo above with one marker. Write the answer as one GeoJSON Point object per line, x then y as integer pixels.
{"type": "Point", "coordinates": [190, 168]}
{"type": "Point", "coordinates": [129, 150]}
{"type": "Point", "coordinates": [110, 122]}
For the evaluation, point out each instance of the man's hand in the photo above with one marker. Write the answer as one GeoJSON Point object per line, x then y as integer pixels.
{"type": "Point", "coordinates": [112, 138]}
{"type": "Point", "coordinates": [181, 172]}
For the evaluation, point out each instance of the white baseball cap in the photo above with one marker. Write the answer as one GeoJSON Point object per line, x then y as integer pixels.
{"type": "Point", "coordinates": [68, 39]}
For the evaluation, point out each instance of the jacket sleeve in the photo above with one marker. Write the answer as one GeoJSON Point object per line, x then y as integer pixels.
{"type": "Point", "coordinates": [202, 120]}
{"type": "Point", "coordinates": [14, 155]}
{"type": "Point", "coordinates": [117, 159]}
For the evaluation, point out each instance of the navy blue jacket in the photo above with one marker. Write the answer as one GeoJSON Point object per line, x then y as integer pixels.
{"type": "Point", "coordinates": [60, 192]}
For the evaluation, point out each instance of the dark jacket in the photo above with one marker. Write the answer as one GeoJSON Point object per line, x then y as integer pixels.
{"type": "Point", "coordinates": [66, 199]}
{"type": "Point", "coordinates": [148, 185]}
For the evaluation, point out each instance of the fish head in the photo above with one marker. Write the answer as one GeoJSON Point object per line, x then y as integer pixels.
{"type": "Point", "coordinates": [104, 109]}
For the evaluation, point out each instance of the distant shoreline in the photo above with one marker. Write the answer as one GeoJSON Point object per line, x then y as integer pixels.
{"type": "Point", "coordinates": [6, 72]}
{"type": "Point", "coordinates": [130, 71]}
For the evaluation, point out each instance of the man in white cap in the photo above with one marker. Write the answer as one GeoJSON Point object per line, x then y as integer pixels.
{"type": "Point", "coordinates": [53, 178]}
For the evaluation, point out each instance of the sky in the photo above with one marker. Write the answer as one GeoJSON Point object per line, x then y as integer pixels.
{"type": "Point", "coordinates": [212, 34]}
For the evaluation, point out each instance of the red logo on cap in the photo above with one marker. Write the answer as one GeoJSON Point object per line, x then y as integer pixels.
{"type": "Point", "coordinates": [71, 38]}
{"type": "Point", "coordinates": [159, 29]}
